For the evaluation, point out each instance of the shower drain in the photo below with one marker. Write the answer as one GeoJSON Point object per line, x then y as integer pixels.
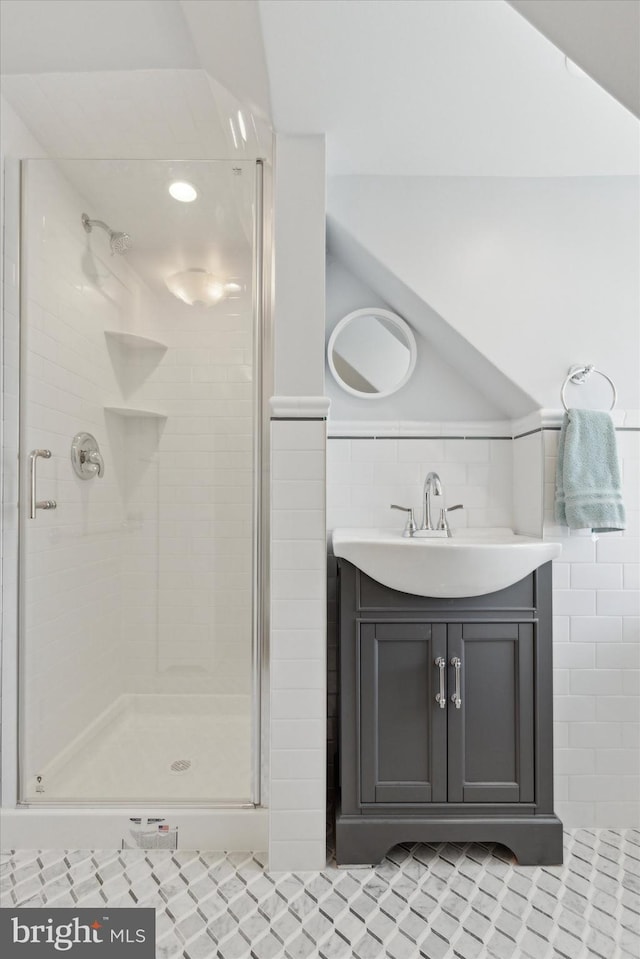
{"type": "Point", "coordinates": [180, 765]}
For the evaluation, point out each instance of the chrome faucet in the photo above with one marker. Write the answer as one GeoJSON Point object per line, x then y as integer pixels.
{"type": "Point", "coordinates": [432, 487]}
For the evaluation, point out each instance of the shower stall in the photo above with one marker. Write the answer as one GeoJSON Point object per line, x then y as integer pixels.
{"type": "Point", "coordinates": [141, 446]}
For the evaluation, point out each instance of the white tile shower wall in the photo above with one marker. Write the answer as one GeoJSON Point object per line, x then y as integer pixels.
{"type": "Point", "coordinates": [597, 657]}
{"type": "Point", "coordinates": [364, 476]}
{"type": "Point", "coordinates": [191, 502]}
{"type": "Point", "coordinates": [298, 643]}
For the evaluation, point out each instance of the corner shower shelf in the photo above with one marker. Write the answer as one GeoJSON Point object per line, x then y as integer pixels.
{"type": "Point", "coordinates": [134, 343]}
{"type": "Point", "coordinates": [128, 412]}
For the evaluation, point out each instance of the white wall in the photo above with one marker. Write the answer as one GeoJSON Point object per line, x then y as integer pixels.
{"type": "Point", "coordinates": [536, 274]}
{"type": "Point", "coordinates": [436, 390]}
{"type": "Point", "coordinates": [299, 238]}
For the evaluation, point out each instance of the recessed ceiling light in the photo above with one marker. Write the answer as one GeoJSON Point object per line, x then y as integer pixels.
{"type": "Point", "coordinates": [183, 192]}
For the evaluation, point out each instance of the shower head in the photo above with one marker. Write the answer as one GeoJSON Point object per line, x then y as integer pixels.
{"type": "Point", "coordinates": [120, 242]}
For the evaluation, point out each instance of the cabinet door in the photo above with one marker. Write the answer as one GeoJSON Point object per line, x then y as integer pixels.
{"type": "Point", "coordinates": [402, 728]}
{"type": "Point", "coordinates": [491, 735]}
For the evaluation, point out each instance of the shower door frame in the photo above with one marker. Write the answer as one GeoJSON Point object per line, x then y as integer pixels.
{"type": "Point", "coordinates": [12, 700]}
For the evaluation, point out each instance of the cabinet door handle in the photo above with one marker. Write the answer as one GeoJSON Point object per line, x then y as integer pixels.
{"type": "Point", "coordinates": [456, 662]}
{"type": "Point", "coordinates": [441, 697]}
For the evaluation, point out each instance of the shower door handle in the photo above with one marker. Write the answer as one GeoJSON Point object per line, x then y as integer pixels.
{"type": "Point", "coordinates": [35, 504]}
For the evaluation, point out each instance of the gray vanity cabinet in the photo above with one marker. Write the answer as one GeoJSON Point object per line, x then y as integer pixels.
{"type": "Point", "coordinates": [472, 765]}
{"type": "Point", "coordinates": [402, 739]}
{"type": "Point", "coordinates": [491, 734]}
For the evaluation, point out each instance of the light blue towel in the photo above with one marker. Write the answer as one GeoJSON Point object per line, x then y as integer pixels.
{"type": "Point", "coordinates": [588, 493]}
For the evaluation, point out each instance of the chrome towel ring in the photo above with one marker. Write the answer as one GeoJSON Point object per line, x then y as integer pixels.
{"type": "Point", "coordinates": [579, 375]}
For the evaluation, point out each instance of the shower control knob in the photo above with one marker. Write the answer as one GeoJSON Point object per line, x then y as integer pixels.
{"type": "Point", "coordinates": [86, 457]}
{"type": "Point", "coordinates": [94, 459]}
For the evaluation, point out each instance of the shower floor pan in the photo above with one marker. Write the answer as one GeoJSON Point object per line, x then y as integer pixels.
{"type": "Point", "coordinates": [156, 748]}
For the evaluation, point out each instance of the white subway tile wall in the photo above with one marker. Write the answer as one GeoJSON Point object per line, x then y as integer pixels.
{"type": "Point", "coordinates": [298, 646]}
{"type": "Point", "coordinates": [364, 476]}
{"type": "Point", "coordinates": [190, 503]}
{"type": "Point", "coordinates": [596, 604]}
{"type": "Point", "coordinates": [597, 657]}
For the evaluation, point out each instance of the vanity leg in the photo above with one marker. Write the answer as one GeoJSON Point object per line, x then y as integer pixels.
{"type": "Point", "coordinates": [536, 845]}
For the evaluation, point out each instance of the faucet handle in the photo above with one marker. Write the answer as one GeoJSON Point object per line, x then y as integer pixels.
{"type": "Point", "coordinates": [442, 522]}
{"type": "Point", "coordinates": [410, 526]}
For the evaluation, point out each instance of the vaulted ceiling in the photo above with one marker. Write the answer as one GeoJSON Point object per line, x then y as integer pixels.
{"type": "Point", "coordinates": [411, 87]}
{"type": "Point", "coordinates": [464, 88]}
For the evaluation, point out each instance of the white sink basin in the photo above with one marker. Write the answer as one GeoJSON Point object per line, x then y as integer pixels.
{"type": "Point", "coordinates": [471, 563]}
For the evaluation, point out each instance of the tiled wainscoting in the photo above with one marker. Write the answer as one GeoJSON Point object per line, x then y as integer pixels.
{"type": "Point", "coordinates": [444, 901]}
{"type": "Point", "coordinates": [298, 644]}
{"type": "Point", "coordinates": [596, 637]}
{"type": "Point", "coordinates": [364, 476]}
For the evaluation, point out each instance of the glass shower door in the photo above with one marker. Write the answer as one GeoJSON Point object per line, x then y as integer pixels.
{"type": "Point", "coordinates": [139, 452]}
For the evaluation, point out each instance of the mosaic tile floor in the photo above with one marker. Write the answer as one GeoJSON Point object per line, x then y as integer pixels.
{"type": "Point", "coordinates": [449, 901]}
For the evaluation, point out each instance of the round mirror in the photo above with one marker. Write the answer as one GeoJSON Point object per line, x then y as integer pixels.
{"type": "Point", "coordinates": [371, 353]}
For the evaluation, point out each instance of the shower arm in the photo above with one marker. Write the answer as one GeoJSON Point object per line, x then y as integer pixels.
{"type": "Point", "coordinates": [89, 224]}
